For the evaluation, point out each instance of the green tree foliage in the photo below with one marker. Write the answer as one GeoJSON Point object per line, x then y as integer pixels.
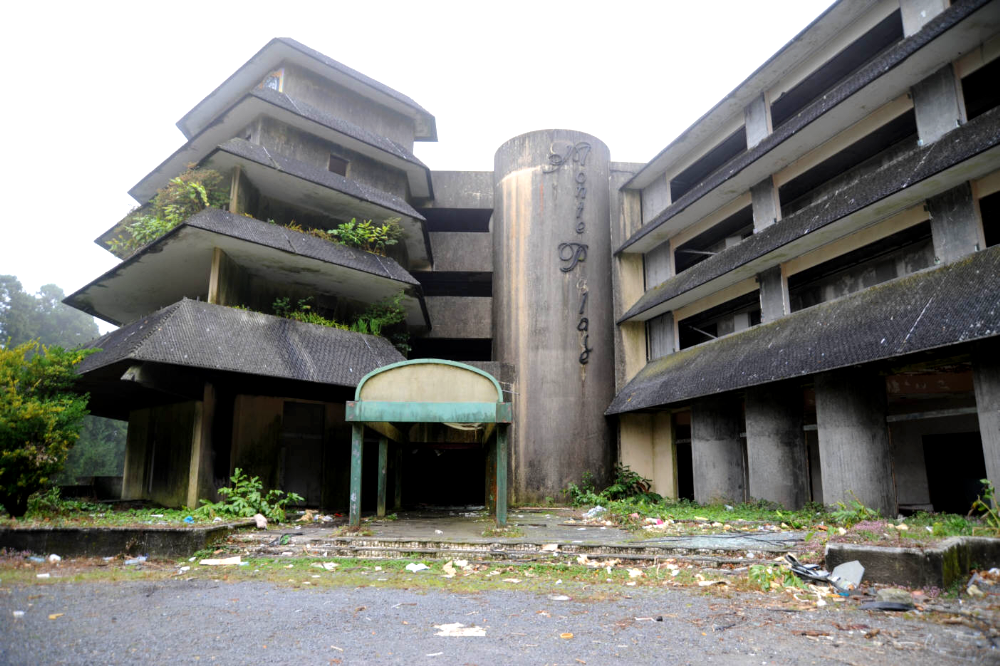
{"type": "Point", "coordinates": [100, 450]}
{"type": "Point", "coordinates": [40, 418]}
{"type": "Point", "coordinates": [191, 192]}
{"type": "Point", "coordinates": [24, 317]}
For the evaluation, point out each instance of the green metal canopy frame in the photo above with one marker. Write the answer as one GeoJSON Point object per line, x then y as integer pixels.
{"type": "Point", "coordinates": [379, 415]}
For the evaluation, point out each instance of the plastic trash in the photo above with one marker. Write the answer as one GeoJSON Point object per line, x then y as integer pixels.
{"type": "Point", "coordinates": [458, 629]}
{"type": "Point", "coordinates": [54, 558]}
{"type": "Point", "coordinates": [18, 613]}
{"type": "Point", "coordinates": [415, 567]}
{"type": "Point", "coordinates": [183, 569]}
{"type": "Point", "coordinates": [216, 520]}
{"type": "Point", "coordinates": [45, 575]}
{"type": "Point", "coordinates": [886, 606]}
{"type": "Point", "coordinates": [36, 559]}
{"type": "Point", "coordinates": [189, 519]}
{"type": "Point", "coordinates": [815, 573]}
{"type": "Point", "coordinates": [595, 512]}
{"type": "Point", "coordinates": [851, 572]}
{"type": "Point", "coordinates": [260, 520]}
{"type": "Point", "coordinates": [136, 560]}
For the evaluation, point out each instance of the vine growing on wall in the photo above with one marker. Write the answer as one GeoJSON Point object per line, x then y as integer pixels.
{"type": "Point", "coordinates": [191, 192]}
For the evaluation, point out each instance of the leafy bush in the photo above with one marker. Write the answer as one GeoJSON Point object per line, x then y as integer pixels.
{"type": "Point", "coordinates": [185, 195]}
{"type": "Point", "coordinates": [380, 314]}
{"type": "Point", "coordinates": [986, 504]}
{"type": "Point", "coordinates": [40, 418]}
{"type": "Point", "coordinates": [367, 236]}
{"type": "Point", "coordinates": [585, 493]}
{"type": "Point", "coordinates": [245, 497]}
{"type": "Point", "coordinates": [857, 512]}
{"type": "Point", "coordinates": [629, 484]}
{"type": "Point", "coordinates": [303, 312]}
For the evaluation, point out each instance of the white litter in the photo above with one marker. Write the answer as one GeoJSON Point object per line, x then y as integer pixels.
{"type": "Point", "coordinates": [260, 520]}
{"type": "Point", "coordinates": [438, 532]}
{"type": "Point", "coordinates": [458, 629]}
{"type": "Point", "coordinates": [416, 567]}
{"type": "Point", "coordinates": [550, 547]}
{"type": "Point", "coordinates": [41, 576]}
{"type": "Point", "coordinates": [222, 561]}
{"type": "Point", "coordinates": [18, 613]}
{"type": "Point", "coordinates": [54, 558]}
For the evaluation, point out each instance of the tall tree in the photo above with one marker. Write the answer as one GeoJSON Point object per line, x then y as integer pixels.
{"type": "Point", "coordinates": [100, 450]}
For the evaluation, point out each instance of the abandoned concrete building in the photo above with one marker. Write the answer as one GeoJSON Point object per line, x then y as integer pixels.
{"type": "Point", "coordinates": [798, 299]}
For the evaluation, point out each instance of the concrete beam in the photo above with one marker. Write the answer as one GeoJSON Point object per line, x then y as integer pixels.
{"type": "Point", "coordinates": [466, 317]}
{"type": "Point", "coordinates": [854, 450]}
{"type": "Point", "coordinates": [456, 251]}
{"type": "Point", "coordinates": [776, 448]}
{"type": "Point", "coordinates": [916, 13]}
{"type": "Point", "coordinates": [757, 120]}
{"type": "Point", "coordinates": [956, 227]}
{"type": "Point", "coordinates": [461, 189]}
{"type": "Point", "coordinates": [717, 451]}
{"type": "Point", "coordinates": [938, 105]}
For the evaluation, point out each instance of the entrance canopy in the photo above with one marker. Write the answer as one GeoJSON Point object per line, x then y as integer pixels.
{"type": "Point", "coordinates": [427, 391]}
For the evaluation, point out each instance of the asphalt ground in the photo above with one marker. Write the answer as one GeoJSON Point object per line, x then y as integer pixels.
{"type": "Point", "coordinates": [204, 620]}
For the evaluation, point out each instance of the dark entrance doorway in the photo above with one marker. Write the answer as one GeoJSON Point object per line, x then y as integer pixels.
{"type": "Point", "coordinates": [955, 469]}
{"type": "Point", "coordinates": [302, 450]}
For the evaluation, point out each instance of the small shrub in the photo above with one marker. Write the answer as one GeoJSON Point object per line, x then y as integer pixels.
{"type": "Point", "coordinates": [629, 484]}
{"type": "Point", "coordinates": [365, 235]}
{"type": "Point", "coordinates": [766, 576]}
{"type": "Point", "coordinates": [185, 195]}
{"type": "Point", "coordinates": [986, 504]}
{"type": "Point", "coordinates": [855, 513]}
{"type": "Point", "coordinates": [380, 314]}
{"type": "Point", "coordinates": [245, 497]}
{"type": "Point", "coordinates": [585, 493]}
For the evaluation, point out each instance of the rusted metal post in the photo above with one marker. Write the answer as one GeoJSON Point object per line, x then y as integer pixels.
{"type": "Point", "coordinates": [357, 449]}
{"type": "Point", "coordinates": [383, 469]}
{"type": "Point", "coordinates": [398, 502]}
{"type": "Point", "coordinates": [502, 452]}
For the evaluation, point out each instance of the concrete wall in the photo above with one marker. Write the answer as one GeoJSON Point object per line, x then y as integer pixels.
{"type": "Point", "coordinates": [627, 274]}
{"type": "Point", "coordinates": [455, 251]}
{"type": "Point", "coordinates": [302, 84]}
{"type": "Point", "coordinates": [256, 431]}
{"type": "Point", "coordinates": [655, 197]}
{"type": "Point", "coordinates": [461, 189]}
{"type": "Point", "coordinates": [460, 317]}
{"type": "Point", "coordinates": [158, 453]}
{"type": "Point", "coordinates": [647, 447]}
{"type": "Point", "coordinates": [293, 142]}
{"type": "Point", "coordinates": [546, 184]}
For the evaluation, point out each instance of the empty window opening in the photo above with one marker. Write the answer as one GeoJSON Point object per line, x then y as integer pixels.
{"type": "Point", "coordinates": [989, 209]}
{"type": "Point", "coordinates": [839, 67]}
{"type": "Point", "coordinates": [980, 90]}
{"type": "Point", "coordinates": [274, 80]}
{"type": "Point", "coordinates": [457, 219]}
{"type": "Point", "coordinates": [732, 316]}
{"type": "Point", "coordinates": [455, 283]}
{"type": "Point", "coordinates": [718, 156]}
{"type": "Point", "coordinates": [896, 255]}
{"type": "Point", "coordinates": [460, 349]}
{"type": "Point", "coordinates": [337, 165]}
{"type": "Point", "coordinates": [864, 155]}
{"type": "Point", "coordinates": [729, 231]}
{"type": "Point", "coordinates": [685, 465]}
{"type": "Point", "coordinates": [955, 469]}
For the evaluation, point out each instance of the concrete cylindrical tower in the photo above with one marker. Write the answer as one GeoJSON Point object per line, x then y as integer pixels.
{"type": "Point", "coordinates": [552, 315]}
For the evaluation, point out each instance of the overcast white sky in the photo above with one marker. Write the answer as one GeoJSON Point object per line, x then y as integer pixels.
{"type": "Point", "coordinates": [94, 89]}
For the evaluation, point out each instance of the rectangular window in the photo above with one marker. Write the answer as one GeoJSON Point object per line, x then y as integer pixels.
{"type": "Point", "coordinates": [338, 165]}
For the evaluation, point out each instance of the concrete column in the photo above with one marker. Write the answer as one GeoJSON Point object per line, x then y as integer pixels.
{"type": "Point", "coordinates": [956, 227]}
{"type": "Point", "coordinates": [916, 13]}
{"type": "Point", "coordinates": [658, 265]}
{"type": "Point", "coordinates": [765, 204]}
{"type": "Point", "coordinates": [716, 450]}
{"type": "Point", "coordinates": [200, 477]}
{"type": "Point", "coordinates": [757, 120]}
{"type": "Point", "coordinates": [627, 274]}
{"type": "Point", "coordinates": [776, 448]}
{"type": "Point", "coordinates": [664, 455]}
{"type": "Point", "coordinates": [986, 379]}
{"type": "Point", "coordinates": [853, 439]}
{"type": "Point", "coordinates": [552, 306]}
{"type": "Point", "coordinates": [773, 294]}
{"type": "Point", "coordinates": [938, 105]}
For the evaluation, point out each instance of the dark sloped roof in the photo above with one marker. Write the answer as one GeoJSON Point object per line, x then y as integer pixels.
{"type": "Point", "coordinates": [214, 337]}
{"type": "Point", "coordinates": [310, 112]}
{"type": "Point", "coordinates": [962, 143]}
{"type": "Point", "coordinates": [334, 181]}
{"type": "Point", "coordinates": [877, 67]}
{"type": "Point", "coordinates": [941, 306]}
{"type": "Point", "coordinates": [273, 235]}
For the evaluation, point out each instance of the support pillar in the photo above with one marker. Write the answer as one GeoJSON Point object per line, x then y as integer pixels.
{"type": "Point", "coordinates": [357, 450]}
{"type": "Point", "coordinates": [986, 380]}
{"type": "Point", "coordinates": [776, 447]}
{"type": "Point", "coordinates": [757, 120]}
{"type": "Point", "coordinates": [938, 105]}
{"type": "Point", "coordinates": [502, 461]}
{"type": "Point", "coordinates": [397, 504]}
{"type": "Point", "coordinates": [383, 475]}
{"type": "Point", "coordinates": [854, 452]}
{"type": "Point", "coordinates": [765, 204]}
{"type": "Point", "coordinates": [716, 451]}
{"type": "Point", "coordinates": [773, 294]}
{"type": "Point", "coordinates": [956, 227]}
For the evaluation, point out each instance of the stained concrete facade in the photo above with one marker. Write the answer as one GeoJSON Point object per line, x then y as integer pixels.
{"type": "Point", "coordinates": [736, 319]}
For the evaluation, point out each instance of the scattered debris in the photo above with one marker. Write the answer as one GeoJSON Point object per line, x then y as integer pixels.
{"type": "Point", "coordinates": [260, 520]}
{"type": "Point", "coordinates": [814, 572]}
{"type": "Point", "coordinates": [438, 532]}
{"type": "Point", "coordinates": [189, 519]}
{"type": "Point", "coordinates": [635, 573]}
{"type": "Point", "coordinates": [551, 547]}
{"type": "Point", "coordinates": [415, 567]}
{"type": "Point", "coordinates": [223, 561]}
{"type": "Point", "coordinates": [18, 613]}
{"type": "Point", "coordinates": [886, 606]}
{"type": "Point", "coordinates": [851, 573]}
{"type": "Point", "coordinates": [458, 629]}
{"type": "Point", "coordinates": [135, 560]}
{"type": "Point", "coordinates": [595, 512]}
{"type": "Point", "coordinates": [56, 616]}
{"type": "Point", "coordinates": [894, 595]}
{"type": "Point", "coordinates": [566, 635]}
{"type": "Point", "coordinates": [307, 517]}
{"type": "Point", "coordinates": [54, 558]}
{"type": "Point", "coordinates": [558, 597]}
